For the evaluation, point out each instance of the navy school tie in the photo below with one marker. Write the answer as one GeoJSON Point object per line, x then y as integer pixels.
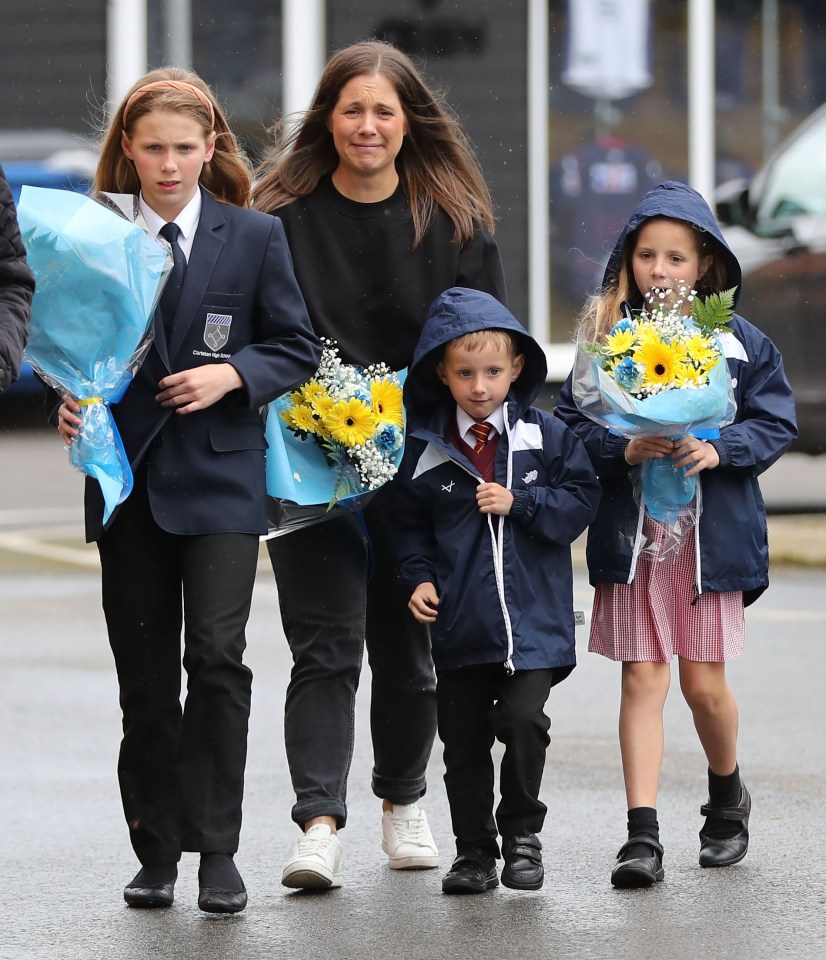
{"type": "Point", "coordinates": [172, 291]}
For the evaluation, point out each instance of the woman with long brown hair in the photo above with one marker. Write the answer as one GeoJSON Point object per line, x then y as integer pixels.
{"type": "Point", "coordinates": [384, 206]}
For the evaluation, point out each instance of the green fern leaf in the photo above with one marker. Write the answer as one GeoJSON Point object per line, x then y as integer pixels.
{"type": "Point", "coordinates": [713, 313]}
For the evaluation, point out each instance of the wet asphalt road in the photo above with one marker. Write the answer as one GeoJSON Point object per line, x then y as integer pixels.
{"type": "Point", "coordinates": [65, 855]}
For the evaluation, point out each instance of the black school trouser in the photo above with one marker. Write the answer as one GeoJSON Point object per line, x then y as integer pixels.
{"type": "Point", "coordinates": [475, 706]}
{"type": "Point", "coordinates": [181, 771]}
{"type": "Point", "coordinates": [337, 587]}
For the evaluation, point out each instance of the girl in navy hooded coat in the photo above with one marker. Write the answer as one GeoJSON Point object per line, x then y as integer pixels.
{"type": "Point", "coordinates": [484, 544]}
{"type": "Point", "coordinates": [649, 608]}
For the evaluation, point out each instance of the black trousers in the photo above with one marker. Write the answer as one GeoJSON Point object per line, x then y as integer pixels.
{"type": "Point", "coordinates": [181, 770]}
{"type": "Point", "coordinates": [337, 587]}
{"type": "Point", "coordinates": [477, 705]}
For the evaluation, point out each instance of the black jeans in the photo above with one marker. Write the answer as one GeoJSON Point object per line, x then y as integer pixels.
{"type": "Point", "coordinates": [181, 772]}
{"type": "Point", "coordinates": [337, 588]}
{"type": "Point", "coordinates": [477, 705]}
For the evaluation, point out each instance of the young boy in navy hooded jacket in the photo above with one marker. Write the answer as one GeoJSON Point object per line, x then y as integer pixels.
{"type": "Point", "coordinates": [491, 494]}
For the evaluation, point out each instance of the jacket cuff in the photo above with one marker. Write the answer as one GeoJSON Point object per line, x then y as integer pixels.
{"type": "Point", "coordinates": [521, 502]}
{"type": "Point", "coordinates": [412, 574]}
{"type": "Point", "coordinates": [722, 449]}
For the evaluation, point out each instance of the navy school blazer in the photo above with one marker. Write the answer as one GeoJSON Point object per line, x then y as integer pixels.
{"type": "Point", "coordinates": [240, 304]}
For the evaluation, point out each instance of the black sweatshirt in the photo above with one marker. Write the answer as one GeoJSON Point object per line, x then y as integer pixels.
{"type": "Point", "coordinates": [365, 285]}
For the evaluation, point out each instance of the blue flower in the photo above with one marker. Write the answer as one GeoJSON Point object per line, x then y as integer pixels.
{"type": "Point", "coordinates": [628, 374]}
{"type": "Point", "coordinates": [624, 324]}
{"type": "Point", "coordinates": [388, 438]}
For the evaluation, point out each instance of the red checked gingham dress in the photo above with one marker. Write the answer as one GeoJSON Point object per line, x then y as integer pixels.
{"type": "Point", "coordinates": [659, 615]}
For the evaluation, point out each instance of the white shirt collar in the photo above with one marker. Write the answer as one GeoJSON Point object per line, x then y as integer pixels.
{"type": "Point", "coordinates": [187, 220]}
{"type": "Point", "coordinates": [465, 422]}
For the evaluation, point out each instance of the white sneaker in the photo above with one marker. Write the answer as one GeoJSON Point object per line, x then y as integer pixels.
{"type": "Point", "coordinates": [316, 861]}
{"type": "Point", "coordinates": [407, 840]}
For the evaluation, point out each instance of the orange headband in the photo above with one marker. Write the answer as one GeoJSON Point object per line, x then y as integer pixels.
{"type": "Point", "coordinates": [171, 85]}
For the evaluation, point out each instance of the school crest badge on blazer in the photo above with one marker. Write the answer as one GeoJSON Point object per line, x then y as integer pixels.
{"type": "Point", "coordinates": [216, 330]}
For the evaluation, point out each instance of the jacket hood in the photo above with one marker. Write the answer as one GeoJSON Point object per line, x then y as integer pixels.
{"type": "Point", "coordinates": [680, 202]}
{"type": "Point", "coordinates": [452, 314]}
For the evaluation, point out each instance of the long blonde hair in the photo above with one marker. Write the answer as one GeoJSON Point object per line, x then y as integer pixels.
{"type": "Point", "coordinates": [436, 163]}
{"type": "Point", "coordinates": [227, 176]}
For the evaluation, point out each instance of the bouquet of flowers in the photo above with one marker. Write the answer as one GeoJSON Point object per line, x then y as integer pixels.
{"type": "Point", "coordinates": [99, 277]}
{"type": "Point", "coordinates": [661, 373]}
{"type": "Point", "coordinates": [334, 441]}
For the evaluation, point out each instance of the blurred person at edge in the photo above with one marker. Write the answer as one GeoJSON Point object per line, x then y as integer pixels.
{"type": "Point", "coordinates": [16, 289]}
{"type": "Point", "coordinates": [384, 206]}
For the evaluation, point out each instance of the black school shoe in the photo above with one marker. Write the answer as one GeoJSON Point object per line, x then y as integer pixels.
{"type": "Point", "coordinates": [152, 887]}
{"type": "Point", "coordinates": [717, 851]}
{"type": "Point", "coordinates": [471, 873]}
{"type": "Point", "coordinates": [220, 887]}
{"type": "Point", "coordinates": [638, 871]}
{"type": "Point", "coordinates": [523, 868]}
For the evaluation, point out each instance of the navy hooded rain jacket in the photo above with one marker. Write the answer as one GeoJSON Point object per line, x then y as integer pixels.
{"type": "Point", "coordinates": [504, 583]}
{"type": "Point", "coordinates": [732, 541]}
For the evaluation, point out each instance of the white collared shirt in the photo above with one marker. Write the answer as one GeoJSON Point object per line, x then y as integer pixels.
{"type": "Point", "coordinates": [187, 220]}
{"type": "Point", "coordinates": [465, 422]}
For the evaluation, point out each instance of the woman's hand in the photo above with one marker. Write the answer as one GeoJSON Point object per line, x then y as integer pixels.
{"type": "Point", "coordinates": [68, 420]}
{"type": "Point", "coordinates": [695, 455]}
{"type": "Point", "coordinates": [198, 387]}
{"type": "Point", "coordinates": [424, 602]}
{"type": "Point", "coordinates": [640, 449]}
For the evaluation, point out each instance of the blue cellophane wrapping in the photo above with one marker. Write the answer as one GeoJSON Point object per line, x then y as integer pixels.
{"type": "Point", "coordinates": [99, 277]}
{"type": "Point", "coordinates": [698, 412]}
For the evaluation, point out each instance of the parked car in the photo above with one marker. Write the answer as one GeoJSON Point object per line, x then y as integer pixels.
{"type": "Point", "coordinates": [776, 225]}
{"type": "Point", "coordinates": [43, 158]}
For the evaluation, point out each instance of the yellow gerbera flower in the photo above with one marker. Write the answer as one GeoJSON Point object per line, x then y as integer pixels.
{"type": "Point", "coordinates": [387, 401]}
{"type": "Point", "coordinates": [690, 375]}
{"type": "Point", "coordinates": [350, 422]}
{"type": "Point", "coordinates": [702, 351]}
{"type": "Point", "coordinates": [620, 342]}
{"type": "Point", "coordinates": [300, 417]}
{"type": "Point", "coordinates": [312, 391]}
{"type": "Point", "coordinates": [660, 359]}
{"type": "Point", "coordinates": [322, 404]}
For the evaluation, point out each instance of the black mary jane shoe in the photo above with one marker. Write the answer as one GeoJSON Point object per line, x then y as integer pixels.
{"type": "Point", "coordinates": [471, 873]}
{"type": "Point", "coordinates": [523, 868]}
{"type": "Point", "coordinates": [152, 887]}
{"type": "Point", "coordinates": [638, 871]}
{"type": "Point", "coordinates": [220, 887]}
{"type": "Point", "coordinates": [724, 851]}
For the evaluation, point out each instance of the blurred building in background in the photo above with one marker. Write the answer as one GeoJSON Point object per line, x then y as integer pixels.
{"type": "Point", "coordinates": [602, 150]}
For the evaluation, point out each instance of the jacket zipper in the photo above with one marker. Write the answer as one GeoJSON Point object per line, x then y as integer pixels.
{"type": "Point", "coordinates": [498, 546]}
{"type": "Point", "coordinates": [499, 553]}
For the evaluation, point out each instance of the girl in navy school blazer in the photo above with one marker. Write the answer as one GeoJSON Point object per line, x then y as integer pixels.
{"type": "Point", "coordinates": [181, 551]}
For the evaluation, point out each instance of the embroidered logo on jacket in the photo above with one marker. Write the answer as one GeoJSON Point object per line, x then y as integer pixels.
{"type": "Point", "coordinates": [216, 330]}
{"type": "Point", "coordinates": [449, 487]}
{"type": "Point", "coordinates": [530, 476]}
